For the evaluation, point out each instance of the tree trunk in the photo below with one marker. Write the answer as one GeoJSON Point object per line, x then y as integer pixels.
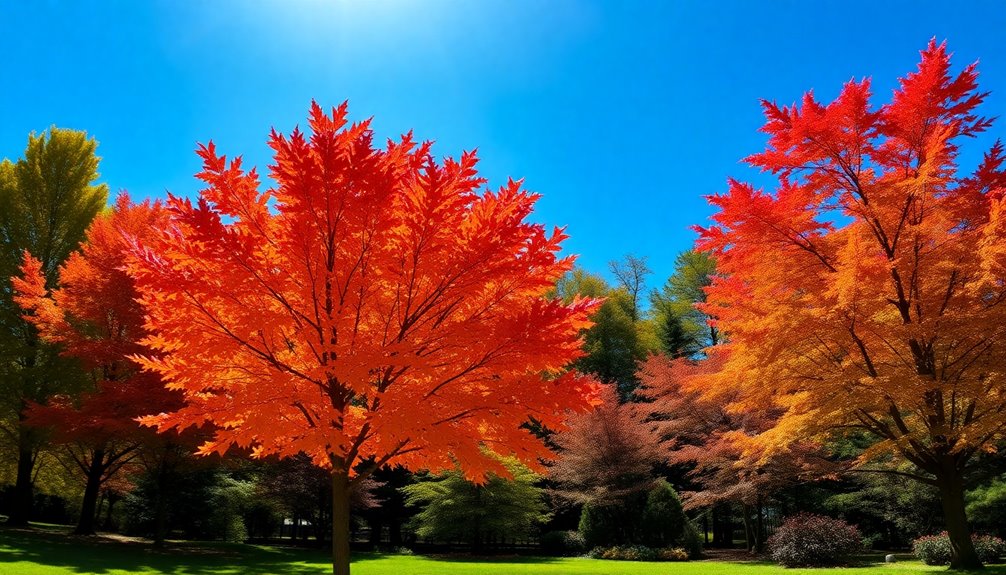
{"type": "Point", "coordinates": [962, 550]}
{"type": "Point", "coordinates": [340, 520]}
{"type": "Point", "coordinates": [759, 527]}
{"type": "Point", "coordinates": [23, 495]}
{"type": "Point", "coordinates": [85, 525]}
{"type": "Point", "coordinates": [748, 539]}
{"type": "Point", "coordinates": [723, 529]}
{"type": "Point", "coordinates": [161, 507]}
{"type": "Point", "coordinates": [112, 500]}
{"type": "Point", "coordinates": [395, 532]}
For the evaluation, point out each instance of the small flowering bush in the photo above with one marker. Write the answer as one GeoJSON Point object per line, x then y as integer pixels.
{"type": "Point", "coordinates": [672, 554]}
{"type": "Point", "coordinates": [807, 540]}
{"type": "Point", "coordinates": [990, 549]}
{"type": "Point", "coordinates": [932, 549]}
{"type": "Point", "coordinates": [935, 549]}
{"type": "Point", "coordinates": [638, 553]}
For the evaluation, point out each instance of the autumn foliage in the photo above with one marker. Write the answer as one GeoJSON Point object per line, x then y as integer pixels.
{"type": "Point", "coordinates": [374, 307]}
{"type": "Point", "coordinates": [866, 291]}
{"type": "Point", "coordinates": [95, 317]}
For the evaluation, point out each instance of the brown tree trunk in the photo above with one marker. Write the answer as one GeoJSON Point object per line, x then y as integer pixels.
{"type": "Point", "coordinates": [962, 550]}
{"type": "Point", "coordinates": [340, 520]}
{"type": "Point", "coordinates": [23, 493]}
{"type": "Point", "coordinates": [759, 527]}
{"type": "Point", "coordinates": [85, 525]}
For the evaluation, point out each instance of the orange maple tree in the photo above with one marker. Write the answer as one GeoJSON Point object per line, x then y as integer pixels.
{"type": "Point", "coordinates": [95, 316]}
{"type": "Point", "coordinates": [865, 291]}
{"type": "Point", "coordinates": [373, 308]}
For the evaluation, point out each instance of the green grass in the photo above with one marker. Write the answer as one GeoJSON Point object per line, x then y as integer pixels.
{"type": "Point", "coordinates": [51, 552]}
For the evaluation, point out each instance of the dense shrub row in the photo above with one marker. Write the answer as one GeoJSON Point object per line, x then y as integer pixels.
{"type": "Point", "coordinates": [639, 553]}
{"type": "Point", "coordinates": [654, 519]}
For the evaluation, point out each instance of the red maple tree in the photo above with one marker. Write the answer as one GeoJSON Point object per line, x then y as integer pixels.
{"type": "Point", "coordinates": [374, 307]}
{"type": "Point", "coordinates": [95, 316]}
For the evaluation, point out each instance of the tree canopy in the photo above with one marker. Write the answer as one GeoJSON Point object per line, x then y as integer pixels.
{"type": "Point", "coordinates": [890, 320]}
{"type": "Point", "coordinates": [375, 302]}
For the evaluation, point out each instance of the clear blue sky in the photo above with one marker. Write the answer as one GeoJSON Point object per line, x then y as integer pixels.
{"type": "Point", "coordinates": [622, 114]}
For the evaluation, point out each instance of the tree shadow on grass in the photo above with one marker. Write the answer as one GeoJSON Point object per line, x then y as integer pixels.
{"type": "Point", "coordinates": [97, 556]}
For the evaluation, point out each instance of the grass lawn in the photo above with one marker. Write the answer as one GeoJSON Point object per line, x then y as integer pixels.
{"type": "Point", "coordinates": [52, 552]}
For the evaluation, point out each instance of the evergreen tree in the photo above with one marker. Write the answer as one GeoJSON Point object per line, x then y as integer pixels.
{"type": "Point", "coordinates": [456, 509]}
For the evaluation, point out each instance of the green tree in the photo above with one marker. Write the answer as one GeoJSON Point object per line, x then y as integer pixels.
{"type": "Point", "coordinates": [47, 200]}
{"type": "Point", "coordinates": [683, 329]}
{"type": "Point", "coordinates": [455, 509]}
{"type": "Point", "coordinates": [616, 342]}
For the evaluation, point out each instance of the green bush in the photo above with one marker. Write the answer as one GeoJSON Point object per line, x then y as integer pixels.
{"type": "Point", "coordinates": [606, 525]}
{"type": "Point", "coordinates": [691, 540]}
{"type": "Point", "coordinates": [563, 544]}
{"type": "Point", "coordinates": [655, 518]}
{"type": "Point", "coordinates": [664, 518]}
{"type": "Point", "coordinates": [935, 549]}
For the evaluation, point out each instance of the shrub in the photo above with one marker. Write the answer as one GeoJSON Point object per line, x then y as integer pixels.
{"type": "Point", "coordinates": [638, 553]}
{"type": "Point", "coordinates": [691, 541]}
{"type": "Point", "coordinates": [630, 553]}
{"type": "Point", "coordinates": [664, 519]}
{"type": "Point", "coordinates": [932, 549]}
{"type": "Point", "coordinates": [563, 543]}
{"type": "Point", "coordinates": [990, 549]}
{"type": "Point", "coordinates": [673, 554]}
{"type": "Point", "coordinates": [235, 530]}
{"type": "Point", "coordinates": [654, 518]}
{"type": "Point", "coordinates": [605, 525]}
{"type": "Point", "coordinates": [807, 540]}
{"type": "Point", "coordinates": [935, 549]}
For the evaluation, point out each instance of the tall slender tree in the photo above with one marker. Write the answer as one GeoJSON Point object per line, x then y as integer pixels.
{"type": "Point", "coordinates": [631, 274]}
{"type": "Point", "coordinates": [47, 200]}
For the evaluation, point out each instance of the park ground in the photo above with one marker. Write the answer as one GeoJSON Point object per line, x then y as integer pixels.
{"type": "Point", "coordinates": [51, 551]}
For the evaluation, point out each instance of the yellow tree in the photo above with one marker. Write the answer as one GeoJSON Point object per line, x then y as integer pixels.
{"type": "Point", "coordinates": [374, 308]}
{"type": "Point", "coordinates": [855, 296]}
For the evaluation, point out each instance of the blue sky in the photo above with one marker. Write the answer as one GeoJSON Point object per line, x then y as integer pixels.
{"type": "Point", "coordinates": [621, 114]}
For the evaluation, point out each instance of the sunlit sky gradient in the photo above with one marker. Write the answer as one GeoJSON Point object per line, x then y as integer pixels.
{"type": "Point", "coordinates": [621, 114]}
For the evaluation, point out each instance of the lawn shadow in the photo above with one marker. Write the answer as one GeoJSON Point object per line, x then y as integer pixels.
{"type": "Point", "coordinates": [98, 555]}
